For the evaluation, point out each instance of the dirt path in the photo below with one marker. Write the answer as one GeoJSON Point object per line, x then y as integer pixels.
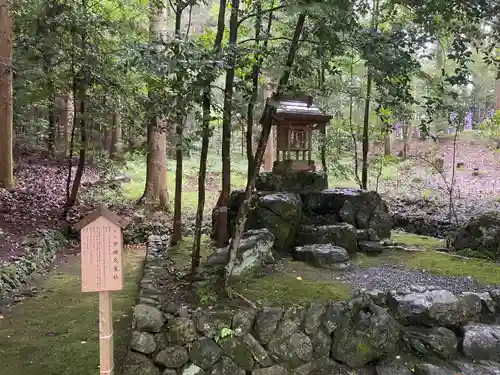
{"type": "Point", "coordinates": [56, 331]}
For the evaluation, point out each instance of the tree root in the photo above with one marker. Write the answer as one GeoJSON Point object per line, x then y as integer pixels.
{"type": "Point", "coordinates": [231, 292]}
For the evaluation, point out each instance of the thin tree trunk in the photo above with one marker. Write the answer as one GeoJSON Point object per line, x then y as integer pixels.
{"type": "Point", "coordinates": [116, 133]}
{"type": "Point", "coordinates": [387, 142]}
{"type": "Point", "coordinates": [222, 232]}
{"type": "Point", "coordinates": [177, 225]}
{"type": "Point", "coordinates": [6, 109]}
{"type": "Point", "coordinates": [366, 128]}
{"type": "Point", "coordinates": [206, 106]}
{"type": "Point", "coordinates": [366, 120]}
{"type": "Point", "coordinates": [83, 150]}
{"type": "Point", "coordinates": [269, 113]}
{"type": "Point", "coordinates": [255, 87]}
{"type": "Point", "coordinates": [179, 150]}
{"type": "Point", "coordinates": [497, 94]}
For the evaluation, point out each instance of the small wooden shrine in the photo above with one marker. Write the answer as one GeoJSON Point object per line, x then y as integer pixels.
{"type": "Point", "coordinates": [295, 119]}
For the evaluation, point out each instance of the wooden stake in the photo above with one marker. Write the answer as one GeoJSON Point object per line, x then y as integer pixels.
{"type": "Point", "coordinates": [106, 334]}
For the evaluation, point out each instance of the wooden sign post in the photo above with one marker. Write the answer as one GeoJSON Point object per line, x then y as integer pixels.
{"type": "Point", "coordinates": [102, 271]}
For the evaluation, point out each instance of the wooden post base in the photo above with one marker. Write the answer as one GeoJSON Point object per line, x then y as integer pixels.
{"type": "Point", "coordinates": [106, 366]}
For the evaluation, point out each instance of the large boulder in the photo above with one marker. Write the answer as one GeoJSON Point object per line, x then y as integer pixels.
{"type": "Point", "coordinates": [341, 234]}
{"type": "Point", "coordinates": [362, 208]}
{"type": "Point", "coordinates": [254, 252]}
{"type": "Point", "coordinates": [292, 181]}
{"type": "Point", "coordinates": [365, 334]}
{"type": "Point", "coordinates": [481, 234]}
{"type": "Point", "coordinates": [428, 342]}
{"type": "Point", "coordinates": [280, 213]}
{"type": "Point", "coordinates": [481, 342]}
{"type": "Point", "coordinates": [435, 308]}
{"type": "Point", "coordinates": [320, 255]}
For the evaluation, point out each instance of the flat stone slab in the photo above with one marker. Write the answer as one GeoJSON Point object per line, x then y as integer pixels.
{"type": "Point", "coordinates": [321, 255]}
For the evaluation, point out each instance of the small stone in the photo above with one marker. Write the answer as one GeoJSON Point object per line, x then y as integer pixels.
{"type": "Point", "coordinates": [393, 369]}
{"type": "Point", "coordinates": [291, 321]}
{"type": "Point", "coordinates": [148, 318]}
{"type": "Point", "coordinates": [430, 369]}
{"type": "Point", "coordinates": [226, 366]}
{"type": "Point", "coordinates": [210, 323]}
{"type": "Point", "coordinates": [332, 317]}
{"type": "Point", "coordinates": [191, 370]}
{"type": "Point", "coordinates": [181, 331]}
{"type": "Point", "coordinates": [172, 357]}
{"type": "Point", "coordinates": [183, 312]}
{"type": "Point", "coordinates": [274, 370]}
{"type": "Point", "coordinates": [136, 363]}
{"type": "Point", "coordinates": [321, 343]}
{"type": "Point", "coordinates": [292, 350]}
{"type": "Point", "coordinates": [258, 352]}
{"type": "Point", "coordinates": [169, 371]}
{"type": "Point", "coordinates": [236, 349]}
{"type": "Point", "coordinates": [161, 341]}
{"type": "Point", "coordinates": [205, 353]}
{"type": "Point", "coordinates": [267, 323]}
{"type": "Point", "coordinates": [370, 246]}
{"type": "Point", "coordinates": [314, 313]}
{"type": "Point", "coordinates": [143, 342]}
{"type": "Point", "coordinates": [243, 322]}
{"type": "Point", "coordinates": [171, 308]}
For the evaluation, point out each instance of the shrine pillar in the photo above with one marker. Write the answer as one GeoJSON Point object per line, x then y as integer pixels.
{"type": "Point", "coordinates": [269, 154]}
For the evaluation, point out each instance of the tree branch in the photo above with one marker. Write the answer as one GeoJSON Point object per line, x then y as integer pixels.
{"type": "Point", "coordinates": [264, 11]}
{"type": "Point", "coordinates": [277, 38]}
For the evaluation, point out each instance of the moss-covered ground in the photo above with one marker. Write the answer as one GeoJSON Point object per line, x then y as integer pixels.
{"type": "Point", "coordinates": [298, 283]}
{"type": "Point", "coordinates": [56, 332]}
{"type": "Point", "coordinates": [432, 260]}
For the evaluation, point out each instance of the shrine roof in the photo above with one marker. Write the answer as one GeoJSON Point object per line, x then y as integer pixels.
{"type": "Point", "coordinates": [299, 108]}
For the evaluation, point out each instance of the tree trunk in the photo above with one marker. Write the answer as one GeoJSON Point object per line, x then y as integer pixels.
{"type": "Point", "coordinates": [179, 157]}
{"type": "Point", "coordinates": [72, 198]}
{"type": "Point", "coordinates": [387, 142]}
{"type": "Point", "coordinates": [255, 87]}
{"type": "Point", "coordinates": [366, 128]}
{"type": "Point", "coordinates": [6, 109]}
{"type": "Point", "coordinates": [497, 94]}
{"type": "Point", "coordinates": [269, 113]}
{"type": "Point", "coordinates": [206, 106]}
{"type": "Point", "coordinates": [268, 154]}
{"type": "Point", "coordinates": [179, 149]}
{"type": "Point", "coordinates": [155, 190]}
{"type": "Point", "coordinates": [222, 238]}
{"type": "Point", "coordinates": [67, 112]}
{"type": "Point", "coordinates": [116, 133]}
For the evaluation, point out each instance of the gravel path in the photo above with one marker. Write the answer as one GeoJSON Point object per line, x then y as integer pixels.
{"type": "Point", "coordinates": [387, 278]}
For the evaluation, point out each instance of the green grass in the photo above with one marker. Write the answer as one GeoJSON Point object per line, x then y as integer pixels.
{"type": "Point", "coordinates": [286, 290]}
{"type": "Point", "coordinates": [410, 239]}
{"type": "Point", "coordinates": [432, 261]}
{"type": "Point", "coordinates": [136, 169]}
{"type": "Point", "coordinates": [56, 332]}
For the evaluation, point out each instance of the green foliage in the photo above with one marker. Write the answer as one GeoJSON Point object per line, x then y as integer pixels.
{"type": "Point", "coordinates": [490, 128]}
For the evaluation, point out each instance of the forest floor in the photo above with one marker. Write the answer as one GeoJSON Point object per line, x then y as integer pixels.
{"type": "Point", "coordinates": [56, 331]}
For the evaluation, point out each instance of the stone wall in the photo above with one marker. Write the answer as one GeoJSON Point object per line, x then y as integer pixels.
{"type": "Point", "coordinates": [38, 257]}
{"type": "Point", "coordinates": [422, 330]}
